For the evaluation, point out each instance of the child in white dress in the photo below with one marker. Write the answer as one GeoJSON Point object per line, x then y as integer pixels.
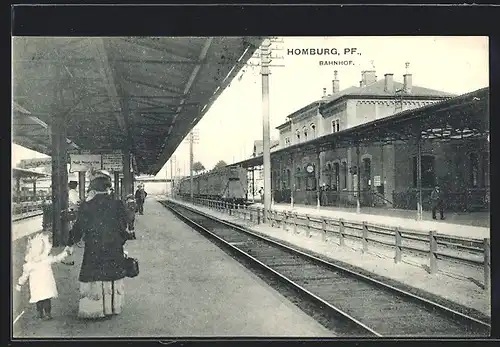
{"type": "Point", "coordinates": [38, 270]}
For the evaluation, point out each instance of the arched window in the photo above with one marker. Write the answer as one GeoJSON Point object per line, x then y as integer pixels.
{"type": "Point", "coordinates": [428, 178]}
{"type": "Point", "coordinates": [336, 175]}
{"type": "Point", "coordinates": [313, 130]}
{"type": "Point", "coordinates": [367, 172]}
{"type": "Point", "coordinates": [474, 170]}
{"type": "Point", "coordinates": [297, 178]}
{"type": "Point", "coordinates": [288, 178]}
{"type": "Point", "coordinates": [305, 133]}
{"type": "Point", "coordinates": [344, 175]}
{"type": "Point", "coordinates": [297, 133]}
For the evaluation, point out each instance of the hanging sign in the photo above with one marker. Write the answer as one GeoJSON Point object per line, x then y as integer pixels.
{"type": "Point", "coordinates": [35, 162]}
{"type": "Point", "coordinates": [112, 162]}
{"type": "Point", "coordinates": [85, 162]}
{"type": "Point", "coordinates": [376, 181]}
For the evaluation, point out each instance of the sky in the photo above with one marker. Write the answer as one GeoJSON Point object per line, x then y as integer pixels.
{"type": "Point", "coordinates": [228, 130]}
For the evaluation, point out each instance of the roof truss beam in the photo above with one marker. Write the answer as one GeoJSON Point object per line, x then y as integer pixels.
{"type": "Point", "coordinates": [161, 87]}
{"type": "Point", "coordinates": [105, 69]}
{"type": "Point", "coordinates": [156, 48]}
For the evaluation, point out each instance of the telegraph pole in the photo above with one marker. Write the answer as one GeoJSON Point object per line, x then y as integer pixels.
{"type": "Point", "coordinates": [191, 165]}
{"type": "Point", "coordinates": [193, 139]}
{"type": "Point", "coordinates": [265, 60]}
{"type": "Point", "coordinates": [172, 176]}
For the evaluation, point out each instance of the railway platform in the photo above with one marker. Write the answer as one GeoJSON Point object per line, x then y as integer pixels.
{"type": "Point", "coordinates": [454, 285]}
{"type": "Point", "coordinates": [472, 225]}
{"type": "Point", "coordinates": [187, 287]}
{"type": "Point", "coordinates": [25, 227]}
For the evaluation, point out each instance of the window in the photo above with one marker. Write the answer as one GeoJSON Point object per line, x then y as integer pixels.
{"type": "Point", "coordinates": [335, 125]}
{"type": "Point", "coordinates": [336, 172]}
{"type": "Point", "coordinates": [344, 174]}
{"type": "Point", "coordinates": [287, 141]}
{"type": "Point", "coordinates": [298, 135]}
{"type": "Point", "coordinates": [474, 170]}
{"type": "Point", "coordinates": [428, 176]}
{"type": "Point", "coordinates": [313, 131]}
{"type": "Point", "coordinates": [367, 172]}
{"type": "Point", "coordinates": [305, 133]}
{"type": "Point", "coordinates": [298, 179]}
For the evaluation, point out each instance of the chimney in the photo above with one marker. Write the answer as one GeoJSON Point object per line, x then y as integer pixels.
{"type": "Point", "coordinates": [407, 79]}
{"type": "Point", "coordinates": [368, 77]}
{"type": "Point", "coordinates": [324, 92]}
{"type": "Point", "coordinates": [361, 84]}
{"type": "Point", "coordinates": [389, 82]}
{"type": "Point", "coordinates": [336, 84]}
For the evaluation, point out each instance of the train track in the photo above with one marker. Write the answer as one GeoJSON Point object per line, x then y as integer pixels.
{"type": "Point", "coordinates": [371, 307]}
{"type": "Point", "coordinates": [17, 218]}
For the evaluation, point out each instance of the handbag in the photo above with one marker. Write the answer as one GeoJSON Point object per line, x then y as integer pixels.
{"type": "Point", "coordinates": [131, 267]}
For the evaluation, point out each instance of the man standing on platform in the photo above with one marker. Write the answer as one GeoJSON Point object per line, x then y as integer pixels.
{"type": "Point", "coordinates": [437, 202]}
{"type": "Point", "coordinates": [140, 196]}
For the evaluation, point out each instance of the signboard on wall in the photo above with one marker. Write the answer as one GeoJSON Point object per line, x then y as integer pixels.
{"type": "Point", "coordinates": [85, 162]}
{"type": "Point", "coordinates": [112, 162]}
{"type": "Point", "coordinates": [376, 181]}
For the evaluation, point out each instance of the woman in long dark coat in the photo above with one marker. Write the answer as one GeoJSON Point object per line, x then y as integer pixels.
{"type": "Point", "coordinates": [102, 223]}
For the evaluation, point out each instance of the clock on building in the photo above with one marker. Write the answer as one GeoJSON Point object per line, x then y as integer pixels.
{"type": "Point", "coordinates": [310, 168]}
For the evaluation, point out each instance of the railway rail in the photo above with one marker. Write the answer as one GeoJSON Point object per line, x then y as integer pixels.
{"type": "Point", "coordinates": [23, 216]}
{"type": "Point", "coordinates": [371, 307]}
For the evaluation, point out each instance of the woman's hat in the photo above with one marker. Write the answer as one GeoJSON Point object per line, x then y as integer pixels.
{"type": "Point", "coordinates": [99, 174]}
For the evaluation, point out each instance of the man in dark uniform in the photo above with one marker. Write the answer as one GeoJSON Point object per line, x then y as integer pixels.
{"type": "Point", "coordinates": [140, 196]}
{"type": "Point", "coordinates": [437, 202]}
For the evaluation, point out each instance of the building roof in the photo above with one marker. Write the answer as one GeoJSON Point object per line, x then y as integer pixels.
{"type": "Point", "coordinates": [377, 90]}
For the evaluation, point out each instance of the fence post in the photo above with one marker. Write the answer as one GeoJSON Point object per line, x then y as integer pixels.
{"type": "Point", "coordinates": [365, 237]}
{"type": "Point", "coordinates": [487, 263]}
{"type": "Point", "coordinates": [323, 226]}
{"type": "Point", "coordinates": [270, 213]}
{"type": "Point", "coordinates": [432, 254]}
{"type": "Point", "coordinates": [397, 234]}
{"type": "Point", "coordinates": [251, 215]}
{"type": "Point", "coordinates": [244, 212]}
{"type": "Point", "coordinates": [341, 231]}
{"type": "Point", "coordinates": [295, 222]}
{"type": "Point", "coordinates": [308, 225]}
{"type": "Point", "coordinates": [258, 216]}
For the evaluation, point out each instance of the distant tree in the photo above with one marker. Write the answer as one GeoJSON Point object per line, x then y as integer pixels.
{"type": "Point", "coordinates": [198, 167]}
{"type": "Point", "coordinates": [220, 164]}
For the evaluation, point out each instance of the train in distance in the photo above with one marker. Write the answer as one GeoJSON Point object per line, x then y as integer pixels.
{"type": "Point", "coordinates": [225, 184]}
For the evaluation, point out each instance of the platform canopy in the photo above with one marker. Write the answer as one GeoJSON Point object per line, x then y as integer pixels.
{"type": "Point", "coordinates": [23, 173]}
{"type": "Point", "coordinates": [462, 117]}
{"type": "Point", "coordinates": [142, 94]}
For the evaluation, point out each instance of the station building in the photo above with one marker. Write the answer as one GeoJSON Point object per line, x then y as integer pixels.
{"type": "Point", "coordinates": [388, 171]}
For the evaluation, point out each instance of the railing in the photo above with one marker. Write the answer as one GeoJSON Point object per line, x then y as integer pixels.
{"type": "Point", "coordinates": [436, 247]}
{"type": "Point", "coordinates": [470, 199]}
{"type": "Point", "coordinates": [26, 208]}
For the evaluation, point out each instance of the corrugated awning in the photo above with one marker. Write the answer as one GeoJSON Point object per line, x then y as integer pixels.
{"type": "Point", "coordinates": [23, 173]}
{"type": "Point", "coordinates": [145, 94]}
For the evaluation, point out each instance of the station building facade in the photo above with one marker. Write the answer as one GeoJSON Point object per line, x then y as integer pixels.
{"type": "Point", "coordinates": [388, 172]}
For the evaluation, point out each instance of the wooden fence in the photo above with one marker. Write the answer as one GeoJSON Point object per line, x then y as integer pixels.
{"type": "Point", "coordinates": [435, 246]}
